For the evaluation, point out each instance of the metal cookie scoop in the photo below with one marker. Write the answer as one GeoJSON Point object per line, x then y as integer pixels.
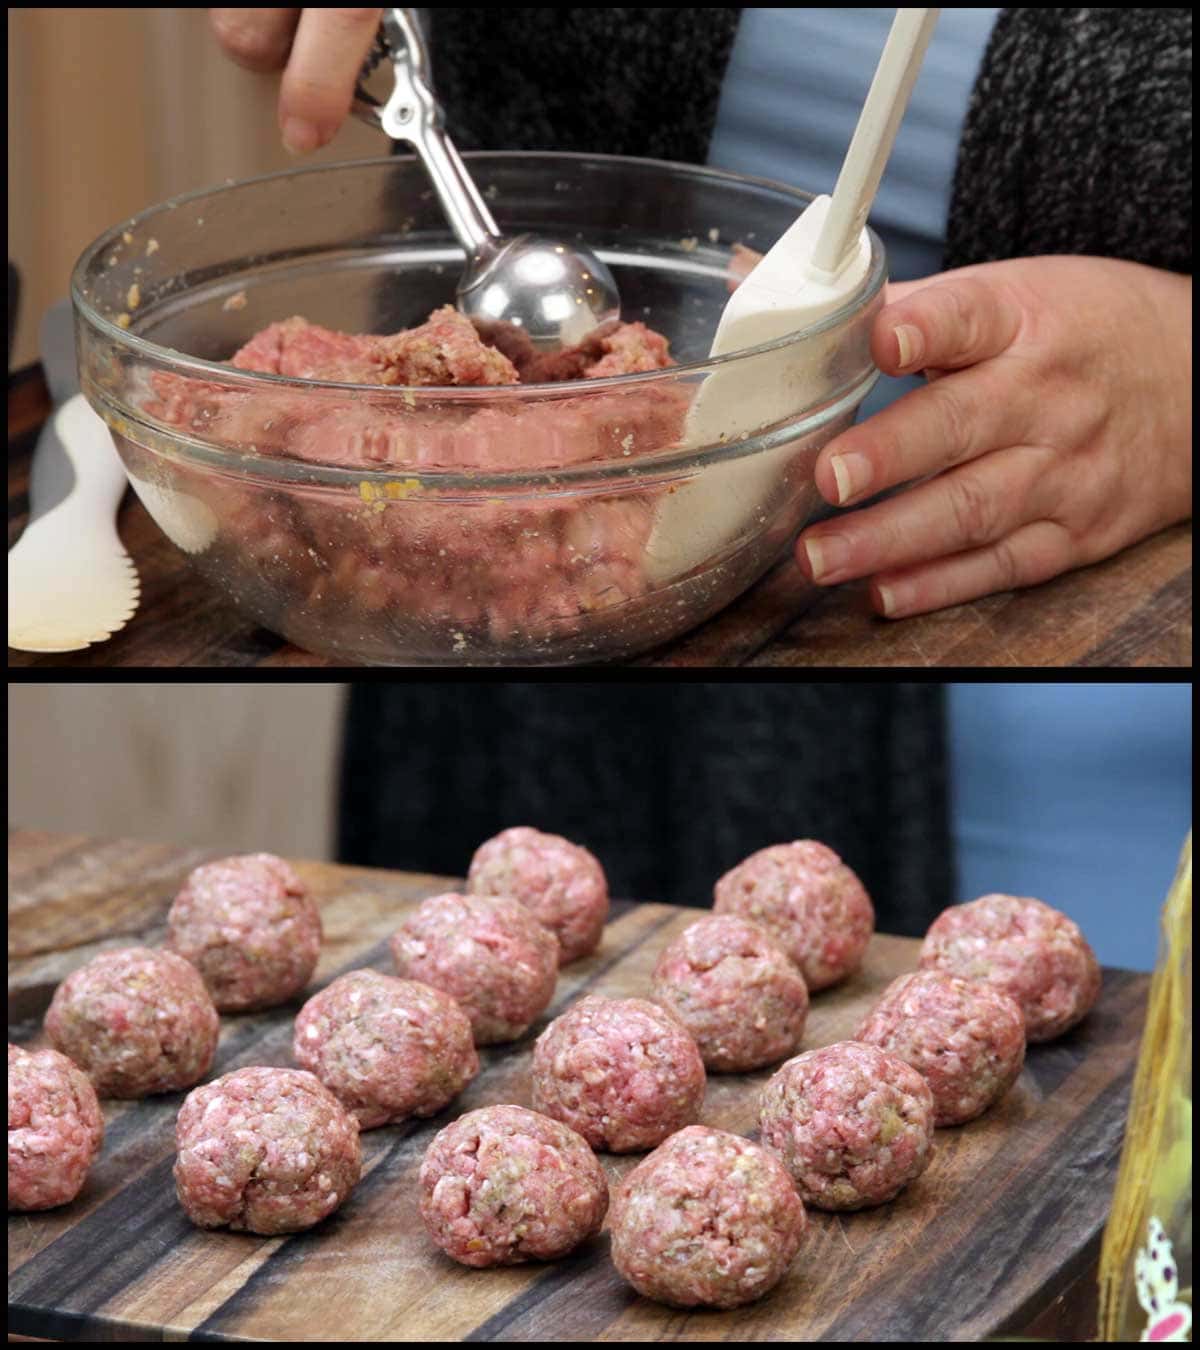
{"type": "Point", "coordinates": [556, 291]}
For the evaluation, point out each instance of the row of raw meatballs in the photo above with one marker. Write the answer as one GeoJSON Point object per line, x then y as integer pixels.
{"type": "Point", "coordinates": [845, 1126]}
{"type": "Point", "coordinates": [245, 935]}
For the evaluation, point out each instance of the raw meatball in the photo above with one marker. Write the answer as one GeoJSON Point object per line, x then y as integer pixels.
{"type": "Point", "coordinates": [504, 1185]}
{"type": "Point", "coordinates": [621, 1071]}
{"type": "Point", "coordinates": [1024, 948]}
{"type": "Point", "coordinates": [264, 1151]}
{"type": "Point", "coordinates": [249, 927]}
{"type": "Point", "coordinates": [735, 990]}
{"type": "Point", "coordinates": [852, 1125]}
{"type": "Point", "coordinates": [966, 1040]}
{"type": "Point", "coordinates": [486, 951]}
{"type": "Point", "coordinates": [809, 901]}
{"type": "Point", "coordinates": [136, 1021]}
{"type": "Point", "coordinates": [708, 1218]}
{"type": "Point", "coordinates": [54, 1128]}
{"type": "Point", "coordinates": [560, 883]}
{"type": "Point", "coordinates": [386, 1048]}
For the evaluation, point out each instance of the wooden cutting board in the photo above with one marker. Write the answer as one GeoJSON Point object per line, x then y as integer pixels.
{"type": "Point", "coordinates": [998, 1231]}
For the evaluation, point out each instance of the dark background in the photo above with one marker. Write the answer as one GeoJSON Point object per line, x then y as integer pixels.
{"type": "Point", "coordinates": [669, 785]}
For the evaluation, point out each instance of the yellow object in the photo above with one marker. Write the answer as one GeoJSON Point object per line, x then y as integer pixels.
{"type": "Point", "coordinates": [1149, 1234]}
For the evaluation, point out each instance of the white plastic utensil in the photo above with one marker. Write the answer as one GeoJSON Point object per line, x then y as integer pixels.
{"type": "Point", "coordinates": [813, 270]}
{"type": "Point", "coordinates": [70, 581]}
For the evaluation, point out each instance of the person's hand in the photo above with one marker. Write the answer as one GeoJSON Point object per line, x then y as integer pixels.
{"type": "Point", "coordinates": [1057, 424]}
{"type": "Point", "coordinates": [320, 52]}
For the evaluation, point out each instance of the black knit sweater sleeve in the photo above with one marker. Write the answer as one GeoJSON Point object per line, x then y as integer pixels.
{"type": "Point", "coordinates": [1078, 139]}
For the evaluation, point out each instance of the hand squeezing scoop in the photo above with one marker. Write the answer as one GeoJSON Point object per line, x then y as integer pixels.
{"type": "Point", "coordinates": [557, 291]}
{"type": "Point", "coordinates": [816, 266]}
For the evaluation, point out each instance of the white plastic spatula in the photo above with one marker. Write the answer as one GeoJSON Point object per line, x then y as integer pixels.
{"type": "Point", "coordinates": [814, 269]}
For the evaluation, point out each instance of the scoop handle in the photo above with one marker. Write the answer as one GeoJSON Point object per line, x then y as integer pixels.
{"type": "Point", "coordinates": [873, 138]}
{"type": "Point", "coordinates": [412, 115]}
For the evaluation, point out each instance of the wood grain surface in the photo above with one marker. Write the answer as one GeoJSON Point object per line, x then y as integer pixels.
{"type": "Point", "coordinates": [1132, 610]}
{"type": "Point", "coordinates": [998, 1234]}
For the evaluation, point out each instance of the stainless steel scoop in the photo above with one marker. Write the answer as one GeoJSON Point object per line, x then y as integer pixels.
{"type": "Point", "coordinates": [558, 292]}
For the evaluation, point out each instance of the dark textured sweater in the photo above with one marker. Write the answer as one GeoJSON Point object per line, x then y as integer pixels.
{"type": "Point", "coordinates": [642, 81]}
{"type": "Point", "coordinates": [669, 783]}
{"type": "Point", "coordinates": [1078, 139]}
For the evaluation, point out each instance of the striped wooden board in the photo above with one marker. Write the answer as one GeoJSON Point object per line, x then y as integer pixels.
{"type": "Point", "coordinates": [997, 1231]}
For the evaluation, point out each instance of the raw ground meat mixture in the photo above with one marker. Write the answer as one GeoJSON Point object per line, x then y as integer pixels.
{"type": "Point", "coordinates": [560, 883]}
{"type": "Point", "coordinates": [707, 1219]}
{"type": "Point", "coordinates": [445, 350]}
{"type": "Point", "coordinates": [504, 1185]}
{"type": "Point", "coordinates": [852, 1125]}
{"type": "Point", "coordinates": [264, 1150]}
{"type": "Point", "coordinates": [966, 1039]}
{"type": "Point", "coordinates": [735, 990]}
{"type": "Point", "coordinates": [1026, 949]}
{"type": "Point", "coordinates": [136, 1021]}
{"type": "Point", "coordinates": [486, 951]}
{"type": "Point", "coordinates": [386, 1048]}
{"type": "Point", "coordinates": [249, 927]}
{"type": "Point", "coordinates": [415, 558]}
{"type": "Point", "coordinates": [55, 1128]}
{"type": "Point", "coordinates": [621, 1071]}
{"type": "Point", "coordinates": [806, 897]}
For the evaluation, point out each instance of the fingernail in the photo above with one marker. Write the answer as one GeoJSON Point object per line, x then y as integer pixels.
{"type": "Point", "coordinates": [300, 137]}
{"type": "Point", "coordinates": [827, 555]}
{"type": "Point", "coordinates": [852, 473]}
{"type": "Point", "coordinates": [910, 344]}
{"type": "Point", "coordinates": [892, 599]}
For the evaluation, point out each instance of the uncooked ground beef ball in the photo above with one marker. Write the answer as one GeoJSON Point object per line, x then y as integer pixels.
{"type": "Point", "coordinates": [806, 897]}
{"type": "Point", "coordinates": [136, 1021]}
{"type": "Point", "coordinates": [1025, 948]}
{"type": "Point", "coordinates": [733, 987]}
{"type": "Point", "coordinates": [55, 1128]}
{"type": "Point", "coordinates": [264, 1151]}
{"type": "Point", "coordinates": [560, 883]}
{"type": "Point", "coordinates": [621, 1071]}
{"type": "Point", "coordinates": [250, 928]}
{"type": "Point", "coordinates": [488, 953]}
{"type": "Point", "coordinates": [966, 1040]}
{"type": "Point", "coordinates": [504, 1185]}
{"type": "Point", "coordinates": [707, 1219]}
{"type": "Point", "coordinates": [852, 1125]}
{"type": "Point", "coordinates": [386, 1048]}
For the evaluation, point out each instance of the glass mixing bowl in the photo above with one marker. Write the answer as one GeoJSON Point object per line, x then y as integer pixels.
{"type": "Point", "coordinates": [371, 524]}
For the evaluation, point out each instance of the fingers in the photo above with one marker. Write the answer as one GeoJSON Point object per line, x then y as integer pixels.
{"type": "Point", "coordinates": [955, 321]}
{"type": "Point", "coordinates": [968, 507]}
{"type": "Point", "coordinates": [258, 39]}
{"type": "Point", "coordinates": [1031, 554]}
{"type": "Point", "coordinates": [926, 431]}
{"type": "Point", "coordinates": [318, 85]}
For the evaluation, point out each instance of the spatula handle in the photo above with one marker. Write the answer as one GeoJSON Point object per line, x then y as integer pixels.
{"type": "Point", "coordinates": [873, 138]}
